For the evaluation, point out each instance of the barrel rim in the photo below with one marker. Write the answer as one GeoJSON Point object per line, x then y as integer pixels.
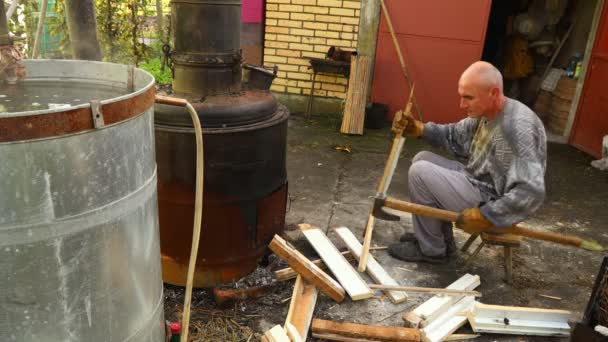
{"type": "Point", "coordinates": [39, 124]}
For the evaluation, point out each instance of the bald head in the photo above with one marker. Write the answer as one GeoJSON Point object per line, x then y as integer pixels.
{"type": "Point", "coordinates": [484, 75]}
{"type": "Point", "coordinates": [480, 90]}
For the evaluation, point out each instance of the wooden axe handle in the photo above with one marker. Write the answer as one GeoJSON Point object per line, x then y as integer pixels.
{"type": "Point", "coordinates": [451, 216]}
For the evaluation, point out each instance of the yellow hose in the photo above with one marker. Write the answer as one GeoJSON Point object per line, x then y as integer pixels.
{"type": "Point", "coordinates": [198, 206]}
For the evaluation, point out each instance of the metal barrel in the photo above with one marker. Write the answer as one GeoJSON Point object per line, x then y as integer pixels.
{"type": "Point", "coordinates": [245, 193]}
{"type": "Point", "coordinates": [79, 238]}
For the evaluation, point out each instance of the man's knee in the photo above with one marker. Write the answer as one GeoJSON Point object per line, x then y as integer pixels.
{"type": "Point", "coordinates": [423, 156]}
{"type": "Point", "coordinates": [420, 171]}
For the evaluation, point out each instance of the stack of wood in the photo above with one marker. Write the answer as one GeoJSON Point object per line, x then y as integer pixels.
{"type": "Point", "coordinates": [435, 320]}
{"type": "Point", "coordinates": [560, 104]}
{"type": "Point", "coordinates": [354, 110]}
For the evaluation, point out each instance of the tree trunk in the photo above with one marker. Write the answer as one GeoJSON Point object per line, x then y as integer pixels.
{"type": "Point", "coordinates": [160, 20]}
{"type": "Point", "coordinates": [11, 9]}
{"type": "Point", "coordinates": [39, 28]}
{"type": "Point", "coordinates": [80, 17]}
{"type": "Point", "coordinates": [4, 39]}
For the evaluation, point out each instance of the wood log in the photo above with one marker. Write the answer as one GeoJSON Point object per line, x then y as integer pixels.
{"type": "Point", "coordinates": [371, 332]}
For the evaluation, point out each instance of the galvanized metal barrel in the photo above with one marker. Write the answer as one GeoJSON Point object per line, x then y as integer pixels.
{"type": "Point", "coordinates": [79, 239]}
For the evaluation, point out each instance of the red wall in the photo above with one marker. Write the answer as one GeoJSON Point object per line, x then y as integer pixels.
{"type": "Point", "coordinates": [591, 122]}
{"type": "Point", "coordinates": [252, 11]}
{"type": "Point", "coordinates": [438, 39]}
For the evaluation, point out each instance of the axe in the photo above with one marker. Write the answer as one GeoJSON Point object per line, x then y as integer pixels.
{"type": "Point", "coordinates": [400, 120]}
{"type": "Point", "coordinates": [451, 216]}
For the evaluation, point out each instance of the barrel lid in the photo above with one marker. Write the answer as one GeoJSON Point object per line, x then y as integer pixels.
{"type": "Point", "coordinates": [232, 110]}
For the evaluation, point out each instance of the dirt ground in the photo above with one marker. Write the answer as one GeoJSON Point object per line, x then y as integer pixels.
{"type": "Point", "coordinates": [331, 188]}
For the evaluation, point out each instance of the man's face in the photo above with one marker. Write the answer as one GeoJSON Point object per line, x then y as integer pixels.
{"type": "Point", "coordinates": [475, 100]}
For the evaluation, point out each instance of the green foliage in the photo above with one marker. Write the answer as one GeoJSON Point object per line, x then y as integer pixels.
{"type": "Point", "coordinates": [121, 29]}
{"type": "Point", "coordinates": [154, 66]}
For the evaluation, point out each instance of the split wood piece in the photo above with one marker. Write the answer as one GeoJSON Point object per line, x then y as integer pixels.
{"type": "Point", "coordinates": [379, 333]}
{"type": "Point", "coordinates": [334, 337]}
{"type": "Point", "coordinates": [293, 333]}
{"type": "Point", "coordinates": [302, 306]}
{"type": "Point", "coordinates": [448, 322]}
{"type": "Point", "coordinates": [498, 319]}
{"type": "Point", "coordinates": [461, 337]}
{"type": "Point", "coordinates": [425, 290]}
{"type": "Point", "coordinates": [276, 334]}
{"type": "Point", "coordinates": [288, 272]}
{"type": "Point", "coordinates": [387, 177]}
{"type": "Point", "coordinates": [354, 110]}
{"type": "Point", "coordinates": [429, 310]}
{"type": "Point", "coordinates": [367, 240]}
{"type": "Point", "coordinates": [398, 50]}
{"type": "Point", "coordinates": [307, 269]}
{"type": "Point", "coordinates": [374, 269]}
{"type": "Point", "coordinates": [348, 277]}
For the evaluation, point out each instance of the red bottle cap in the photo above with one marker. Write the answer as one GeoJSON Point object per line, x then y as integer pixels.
{"type": "Point", "coordinates": [175, 327]}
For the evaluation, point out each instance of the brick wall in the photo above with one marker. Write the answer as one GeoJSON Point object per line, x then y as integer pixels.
{"type": "Point", "coordinates": [297, 29]}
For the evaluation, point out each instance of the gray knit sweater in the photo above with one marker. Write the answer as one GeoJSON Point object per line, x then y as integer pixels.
{"type": "Point", "coordinates": [505, 158]}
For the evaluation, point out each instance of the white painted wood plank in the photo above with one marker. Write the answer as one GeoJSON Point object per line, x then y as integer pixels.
{"type": "Point", "coordinates": [374, 269]}
{"type": "Point", "coordinates": [523, 313]}
{"type": "Point", "coordinates": [354, 285]}
{"type": "Point", "coordinates": [277, 334]}
{"type": "Point", "coordinates": [448, 322]}
{"type": "Point", "coordinates": [519, 320]}
{"type": "Point", "coordinates": [293, 333]}
{"type": "Point", "coordinates": [432, 308]}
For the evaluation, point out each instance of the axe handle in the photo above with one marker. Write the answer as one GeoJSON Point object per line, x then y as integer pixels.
{"type": "Point", "coordinates": [451, 216]}
{"type": "Point", "coordinates": [422, 210]}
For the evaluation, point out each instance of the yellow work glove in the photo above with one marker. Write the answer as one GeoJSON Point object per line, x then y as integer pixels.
{"type": "Point", "coordinates": [406, 123]}
{"type": "Point", "coordinates": [472, 221]}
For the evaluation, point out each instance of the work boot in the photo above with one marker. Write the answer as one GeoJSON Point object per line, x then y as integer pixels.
{"type": "Point", "coordinates": [410, 251]}
{"type": "Point", "coordinates": [450, 246]}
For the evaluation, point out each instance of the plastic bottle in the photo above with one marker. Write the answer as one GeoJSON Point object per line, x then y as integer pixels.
{"type": "Point", "coordinates": [176, 331]}
{"type": "Point", "coordinates": [573, 63]}
{"type": "Point", "coordinates": [577, 70]}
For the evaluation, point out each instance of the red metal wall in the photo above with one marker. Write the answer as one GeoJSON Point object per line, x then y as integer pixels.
{"type": "Point", "coordinates": [591, 122]}
{"type": "Point", "coordinates": [438, 39]}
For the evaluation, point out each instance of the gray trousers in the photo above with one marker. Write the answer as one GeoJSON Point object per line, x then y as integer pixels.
{"type": "Point", "coordinates": [441, 183]}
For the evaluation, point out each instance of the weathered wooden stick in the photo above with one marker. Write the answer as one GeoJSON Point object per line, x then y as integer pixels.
{"type": "Point", "coordinates": [425, 290]}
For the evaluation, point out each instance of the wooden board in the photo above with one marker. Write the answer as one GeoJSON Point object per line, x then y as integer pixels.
{"type": "Point", "coordinates": [288, 272]}
{"type": "Point", "coordinates": [519, 320]}
{"type": "Point", "coordinates": [370, 332]}
{"type": "Point", "coordinates": [352, 282]}
{"type": "Point", "coordinates": [354, 110]}
{"type": "Point", "coordinates": [276, 334]}
{"type": "Point", "coordinates": [307, 269]}
{"type": "Point", "coordinates": [334, 337]}
{"type": "Point", "coordinates": [302, 306]}
{"type": "Point", "coordinates": [448, 322]}
{"type": "Point", "coordinates": [293, 333]}
{"type": "Point", "coordinates": [432, 308]}
{"type": "Point", "coordinates": [374, 269]}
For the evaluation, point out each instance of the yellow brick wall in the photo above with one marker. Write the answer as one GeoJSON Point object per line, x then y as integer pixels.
{"type": "Point", "coordinates": [298, 29]}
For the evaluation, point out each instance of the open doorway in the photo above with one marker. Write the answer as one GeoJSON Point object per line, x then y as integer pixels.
{"type": "Point", "coordinates": [539, 46]}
